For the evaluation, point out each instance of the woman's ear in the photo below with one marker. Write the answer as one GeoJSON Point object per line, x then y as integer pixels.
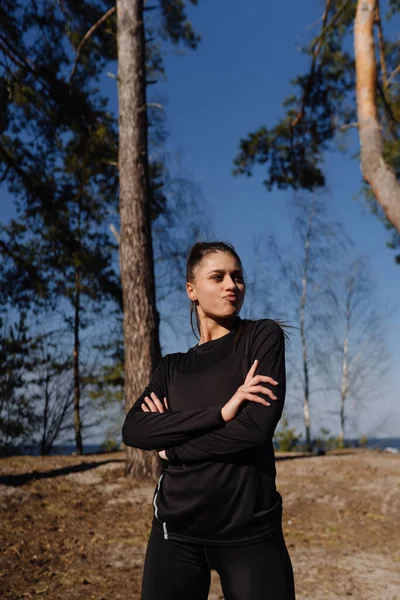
{"type": "Point", "coordinates": [190, 292]}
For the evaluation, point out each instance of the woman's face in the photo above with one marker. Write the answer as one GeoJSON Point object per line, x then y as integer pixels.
{"type": "Point", "coordinates": [218, 286]}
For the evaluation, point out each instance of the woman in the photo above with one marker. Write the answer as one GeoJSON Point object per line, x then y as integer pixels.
{"type": "Point", "coordinates": [211, 413]}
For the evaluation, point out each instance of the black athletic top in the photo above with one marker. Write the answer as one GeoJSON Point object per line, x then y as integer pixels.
{"type": "Point", "coordinates": [218, 485]}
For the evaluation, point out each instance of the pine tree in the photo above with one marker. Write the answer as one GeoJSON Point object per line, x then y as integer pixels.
{"type": "Point", "coordinates": [17, 412]}
{"type": "Point", "coordinates": [57, 146]}
{"type": "Point", "coordinates": [338, 92]}
{"type": "Point", "coordinates": [141, 318]}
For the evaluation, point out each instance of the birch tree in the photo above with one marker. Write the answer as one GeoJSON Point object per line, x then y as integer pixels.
{"type": "Point", "coordinates": [304, 278]}
{"type": "Point", "coordinates": [355, 361]}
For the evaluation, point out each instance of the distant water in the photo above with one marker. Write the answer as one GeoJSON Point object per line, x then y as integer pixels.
{"type": "Point", "coordinates": [373, 443]}
{"type": "Point", "coordinates": [384, 443]}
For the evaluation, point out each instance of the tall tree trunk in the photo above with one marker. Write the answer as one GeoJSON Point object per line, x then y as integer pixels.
{"type": "Point", "coordinates": [306, 401]}
{"type": "Point", "coordinates": [141, 320]}
{"type": "Point", "coordinates": [77, 385]}
{"type": "Point", "coordinates": [376, 172]}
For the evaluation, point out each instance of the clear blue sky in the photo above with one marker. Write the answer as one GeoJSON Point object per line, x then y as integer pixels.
{"type": "Point", "coordinates": [233, 83]}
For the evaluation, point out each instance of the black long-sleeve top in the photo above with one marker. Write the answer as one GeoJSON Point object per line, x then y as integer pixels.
{"type": "Point", "coordinates": [218, 485]}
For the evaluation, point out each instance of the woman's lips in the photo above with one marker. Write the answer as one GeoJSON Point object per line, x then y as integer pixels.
{"type": "Point", "coordinates": [231, 298]}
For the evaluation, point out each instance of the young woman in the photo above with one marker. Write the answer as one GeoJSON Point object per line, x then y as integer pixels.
{"type": "Point", "coordinates": [211, 413]}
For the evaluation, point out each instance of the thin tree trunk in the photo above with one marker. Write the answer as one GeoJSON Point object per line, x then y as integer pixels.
{"type": "Point", "coordinates": [345, 373]}
{"type": "Point", "coordinates": [350, 287]}
{"type": "Point", "coordinates": [376, 172]}
{"type": "Point", "coordinates": [141, 320]}
{"type": "Point", "coordinates": [43, 442]}
{"type": "Point", "coordinates": [306, 402]}
{"type": "Point", "coordinates": [77, 387]}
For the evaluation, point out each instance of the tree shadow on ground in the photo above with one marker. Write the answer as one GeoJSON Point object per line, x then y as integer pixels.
{"type": "Point", "coordinates": [23, 478]}
{"type": "Point", "coordinates": [310, 455]}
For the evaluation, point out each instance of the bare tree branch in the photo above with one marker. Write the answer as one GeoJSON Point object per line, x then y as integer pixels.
{"type": "Point", "coordinates": [381, 44]}
{"type": "Point", "coordinates": [392, 75]}
{"type": "Point", "coordinates": [87, 35]}
{"type": "Point", "coordinates": [348, 126]}
{"type": "Point", "coordinates": [318, 40]}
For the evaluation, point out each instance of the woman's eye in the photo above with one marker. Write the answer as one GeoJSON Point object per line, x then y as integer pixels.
{"type": "Point", "coordinates": [239, 277]}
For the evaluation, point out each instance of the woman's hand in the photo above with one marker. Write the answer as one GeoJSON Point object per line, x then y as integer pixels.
{"type": "Point", "coordinates": [247, 391]}
{"type": "Point", "coordinates": [155, 405]}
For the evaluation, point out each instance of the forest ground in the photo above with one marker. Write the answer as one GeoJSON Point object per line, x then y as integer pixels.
{"type": "Point", "coordinates": [75, 528]}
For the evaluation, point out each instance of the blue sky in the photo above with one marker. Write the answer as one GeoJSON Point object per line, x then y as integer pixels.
{"type": "Point", "coordinates": [233, 83]}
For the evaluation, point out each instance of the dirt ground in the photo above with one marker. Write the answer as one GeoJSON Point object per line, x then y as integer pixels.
{"type": "Point", "coordinates": [75, 528]}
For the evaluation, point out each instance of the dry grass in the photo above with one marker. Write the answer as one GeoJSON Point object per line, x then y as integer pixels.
{"type": "Point", "coordinates": [75, 528]}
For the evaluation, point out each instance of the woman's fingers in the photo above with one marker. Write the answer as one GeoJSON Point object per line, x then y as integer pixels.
{"type": "Point", "coordinates": [157, 402]}
{"type": "Point", "coordinates": [150, 404]}
{"type": "Point", "coordinates": [266, 378]}
{"type": "Point", "coordinates": [255, 398]}
{"type": "Point", "coordinates": [253, 379]}
{"type": "Point", "coordinates": [263, 390]}
{"type": "Point", "coordinates": [153, 404]}
{"type": "Point", "coordinates": [165, 402]}
{"type": "Point", "coordinates": [251, 372]}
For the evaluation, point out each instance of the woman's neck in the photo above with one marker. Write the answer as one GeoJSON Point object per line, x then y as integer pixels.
{"type": "Point", "coordinates": [212, 330]}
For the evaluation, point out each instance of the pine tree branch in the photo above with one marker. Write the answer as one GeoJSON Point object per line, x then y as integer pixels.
{"type": "Point", "coordinates": [115, 233]}
{"type": "Point", "coordinates": [318, 40]}
{"type": "Point", "coordinates": [11, 163]}
{"type": "Point", "coordinates": [315, 53]}
{"type": "Point", "coordinates": [348, 126]}
{"type": "Point", "coordinates": [13, 55]}
{"type": "Point", "coordinates": [325, 27]}
{"type": "Point", "coordinates": [20, 61]}
{"type": "Point", "coordinates": [5, 173]}
{"type": "Point", "coordinates": [87, 35]}
{"type": "Point", "coordinates": [381, 44]}
{"type": "Point", "coordinates": [63, 9]}
{"type": "Point", "coordinates": [388, 109]}
{"type": "Point", "coordinates": [392, 75]}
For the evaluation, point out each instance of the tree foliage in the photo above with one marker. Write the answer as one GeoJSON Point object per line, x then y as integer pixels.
{"type": "Point", "coordinates": [322, 108]}
{"type": "Point", "coordinates": [17, 412]}
{"type": "Point", "coordinates": [58, 161]}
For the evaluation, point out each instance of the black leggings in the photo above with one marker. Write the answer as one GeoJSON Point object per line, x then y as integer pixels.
{"type": "Point", "coordinates": [182, 571]}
